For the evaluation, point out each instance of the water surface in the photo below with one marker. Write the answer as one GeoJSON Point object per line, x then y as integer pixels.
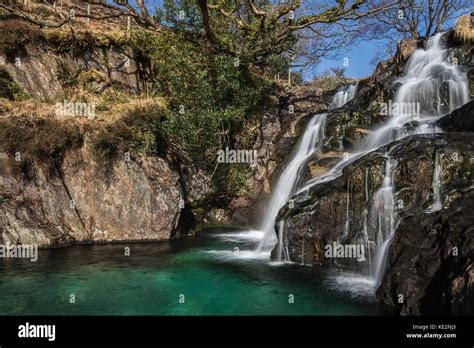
{"type": "Point", "coordinates": [206, 269]}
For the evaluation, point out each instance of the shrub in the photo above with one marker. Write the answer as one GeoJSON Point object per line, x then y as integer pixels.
{"type": "Point", "coordinates": [138, 131]}
{"type": "Point", "coordinates": [15, 32]}
{"type": "Point", "coordinates": [209, 96]}
{"type": "Point", "coordinates": [464, 30]}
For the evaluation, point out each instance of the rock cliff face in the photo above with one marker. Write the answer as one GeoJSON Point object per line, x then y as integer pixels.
{"type": "Point", "coordinates": [76, 202]}
{"type": "Point", "coordinates": [38, 61]}
{"type": "Point", "coordinates": [430, 258]}
{"type": "Point", "coordinates": [431, 262]}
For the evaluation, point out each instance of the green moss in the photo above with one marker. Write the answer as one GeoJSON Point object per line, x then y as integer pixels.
{"type": "Point", "coordinates": [67, 77]}
{"type": "Point", "coordinates": [9, 88]}
{"type": "Point", "coordinates": [75, 43]}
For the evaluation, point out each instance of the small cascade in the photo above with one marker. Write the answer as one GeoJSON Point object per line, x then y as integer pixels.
{"type": "Point", "coordinates": [437, 172]}
{"type": "Point", "coordinates": [431, 87]}
{"type": "Point", "coordinates": [347, 224]}
{"type": "Point", "coordinates": [365, 235]}
{"type": "Point", "coordinates": [281, 228]}
{"type": "Point", "coordinates": [302, 247]}
{"type": "Point", "coordinates": [365, 216]}
{"type": "Point", "coordinates": [366, 186]}
{"type": "Point", "coordinates": [343, 95]}
{"type": "Point", "coordinates": [308, 143]}
{"type": "Point", "coordinates": [286, 185]}
{"type": "Point", "coordinates": [384, 216]}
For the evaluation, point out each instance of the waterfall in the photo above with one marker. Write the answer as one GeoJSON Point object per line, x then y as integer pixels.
{"type": "Point", "coordinates": [307, 145]}
{"type": "Point", "coordinates": [431, 86]}
{"type": "Point", "coordinates": [384, 216]}
{"type": "Point", "coordinates": [343, 95]}
{"type": "Point", "coordinates": [348, 197]}
{"type": "Point", "coordinates": [363, 232]}
{"type": "Point", "coordinates": [428, 74]}
{"type": "Point", "coordinates": [437, 201]}
{"type": "Point", "coordinates": [312, 136]}
{"type": "Point", "coordinates": [281, 227]}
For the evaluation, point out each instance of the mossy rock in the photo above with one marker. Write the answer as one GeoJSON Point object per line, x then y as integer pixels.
{"type": "Point", "coordinates": [92, 80]}
{"type": "Point", "coordinates": [9, 88]}
{"type": "Point", "coordinates": [91, 76]}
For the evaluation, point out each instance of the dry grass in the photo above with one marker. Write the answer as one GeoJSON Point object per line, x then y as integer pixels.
{"type": "Point", "coordinates": [32, 128]}
{"type": "Point", "coordinates": [28, 107]}
{"type": "Point", "coordinates": [115, 109]}
{"type": "Point", "coordinates": [14, 32]}
{"type": "Point", "coordinates": [464, 31]}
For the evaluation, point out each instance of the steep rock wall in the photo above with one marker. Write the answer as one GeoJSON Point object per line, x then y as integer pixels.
{"type": "Point", "coordinates": [75, 202]}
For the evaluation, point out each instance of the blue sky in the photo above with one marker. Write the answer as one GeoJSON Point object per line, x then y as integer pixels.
{"type": "Point", "coordinates": [359, 57]}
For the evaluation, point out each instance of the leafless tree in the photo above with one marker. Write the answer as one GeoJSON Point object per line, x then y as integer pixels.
{"type": "Point", "coordinates": [414, 18]}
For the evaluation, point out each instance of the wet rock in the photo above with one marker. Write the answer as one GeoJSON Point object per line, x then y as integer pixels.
{"type": "Point", "coordinates": [460, 120]}
{"type": "Point", "coordinates": [431, 262]}
{"type": "Point", "coordinates": [338, 209]}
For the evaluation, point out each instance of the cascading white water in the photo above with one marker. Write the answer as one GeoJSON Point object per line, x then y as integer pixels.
{"type": "Point", "coordinates": [342, 96]}
{"type": "Point", "coordinates": [384, 214]}
{"type": "Point", "coordinates": [280, 251]}
{"type": "Point", "coordinates": [437, 203]}
{"type": "Point", "coordinates": [307, 145]}
{"type": "Point", "coordinates": [348, 198]}
{"type": "Point", "coordinates": [428, 74]}
{"type": "Point", "coordinates": [431, 86]}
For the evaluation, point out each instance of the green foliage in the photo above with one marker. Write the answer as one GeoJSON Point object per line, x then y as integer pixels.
{"type": "Point", "coordinates": [232, 179]}
{"type": "Point", "coordinates": [67, 77]}
{"type": "Point", "coordinates": [209, 95]}
{"type": "Point", "coordinates": [138, 131]}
